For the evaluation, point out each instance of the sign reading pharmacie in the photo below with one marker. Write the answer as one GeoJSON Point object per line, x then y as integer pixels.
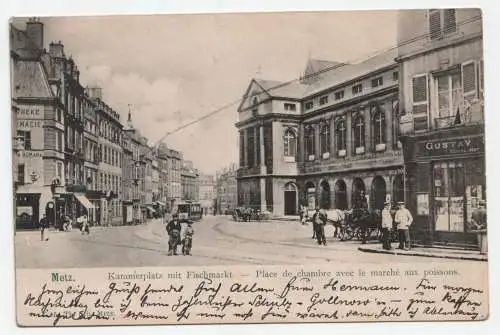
{"type": "Point", "coordinates": [444, 147]}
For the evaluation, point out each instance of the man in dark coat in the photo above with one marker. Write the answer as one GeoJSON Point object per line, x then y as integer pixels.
{"type": "Point", "coordinates": [174, 234]}
{"type": "Point", "coordinates": [44, 225]}
{"type": "Point", "coordinates": [319, 222]}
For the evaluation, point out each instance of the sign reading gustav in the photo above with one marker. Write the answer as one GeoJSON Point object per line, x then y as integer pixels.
{"type": "Point", "coordinates": [462, 145]}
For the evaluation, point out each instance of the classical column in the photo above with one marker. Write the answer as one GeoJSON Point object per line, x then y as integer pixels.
{"type": "Point", "coordinates": [245, 146]}
{"type": "Point", "coordinates": [389, 127]}
{"type": "Point", "coordinates": [256, 144]}
{"type": "Point", "coordinates": [332, 137]}
{"type": "Point", "coordinates": [262, 152]}
{"type": "Point", "coordinates": [348, 126]}
{"type": "Point", "coordinates": [263, 203]}
{"type": "Point", "coordinates": [368, 129]}
{"type": "Point", "coordinates": [317, 148]}
{"type": "Point", "coordinates": [301, 151]}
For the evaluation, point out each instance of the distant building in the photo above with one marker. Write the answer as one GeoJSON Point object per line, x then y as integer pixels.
{"type": "Point", "coordinates": [226, 189]}
{"type": "Point", "coordinates": [442, 121]}
{"type": "Point", "coordinates": [208, 193]}
{"type": "Point", "coordinates": [110, 165]}
{"type": "Point", "coordinates": [189, 181]}
{"type": "Point", "coordinates": [174, 178]}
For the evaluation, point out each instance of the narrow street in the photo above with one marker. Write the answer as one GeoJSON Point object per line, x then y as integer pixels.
{"type": "Point", "coordinates": [217, 241]}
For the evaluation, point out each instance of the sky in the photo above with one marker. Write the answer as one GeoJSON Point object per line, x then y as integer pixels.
{"type": "Point", "coordinates": [173, 69]}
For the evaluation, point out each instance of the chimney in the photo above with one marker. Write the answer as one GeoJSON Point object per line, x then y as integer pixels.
{"type": "Point", "coordinates": [34, 34]}
{"type": "Point", "coordinates": [56, 49]}
{"type": "Point", "coordinates": [95, 93]}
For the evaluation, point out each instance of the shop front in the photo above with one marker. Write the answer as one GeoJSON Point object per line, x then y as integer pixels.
{"type": "Point", "coordinates": [446, 181]}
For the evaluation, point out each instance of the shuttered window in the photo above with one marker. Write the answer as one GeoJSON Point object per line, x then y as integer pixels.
{"type": "Point", "coordinates": [450, 21]}
{"type": "Point", "coordinates": [434, 23]}
{"type": "Point", "coordinates": [469, 78]}
{"type": "Point", "coordinates": [419, 89]}
{"type": "Point", "coordinates": [442, 22]}
{"type": "Point", "coordinates": [419, 108]}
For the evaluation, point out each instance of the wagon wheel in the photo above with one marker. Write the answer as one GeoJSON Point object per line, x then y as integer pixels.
{"type": "Point", "coordinates": [359, 232]}
{"type": "Point", "coordinates": [346, 233]}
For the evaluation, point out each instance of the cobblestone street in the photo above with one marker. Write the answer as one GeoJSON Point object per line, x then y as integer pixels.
{"type": "Point", "coordinates": [217, 241]}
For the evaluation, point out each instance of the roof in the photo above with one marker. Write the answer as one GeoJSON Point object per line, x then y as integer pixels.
{"type": "Point", "coordinates": [278, 89]}
{"type": "Point", "coordinates": [318, 65]}
{"type": "Point", "coordinates": [29, 80]}
{"type": "Point", "coordinates": [350, 72]}
{"type": "Point", "coordinates": [339, 74]}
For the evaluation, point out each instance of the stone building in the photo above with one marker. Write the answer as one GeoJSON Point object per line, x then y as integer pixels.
{"type": "Point", "coordinates": [133, 174]}
{"type": "Point", "coordinates": [329, 140]}
{"type": "Point", "coordinates": [208, 193]}
{"type": "Point", "coordinates": [174, 178]}
{"type": "Point", "coordinates": [226, 189]}
{"type": "Point", "coordinates": [190, 188]}
{"type": "Point", "coordinates": [50, 123]}
{"type": "Point", "coordinates": [111, 157]}
{"type": "Point", "coordinates": [442, 121]}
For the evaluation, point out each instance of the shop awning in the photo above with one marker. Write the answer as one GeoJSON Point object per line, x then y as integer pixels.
{"type": "Point", "coordinates": [84, 201]}
{"type": "Point", "coordinates": [151, 209]}
{"type": "Point", "coordinates": [160, 203]}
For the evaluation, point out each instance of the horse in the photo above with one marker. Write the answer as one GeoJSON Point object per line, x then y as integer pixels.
{"type": "Point", "coordinates": [335, 217]}
{"type": "Point", "coordinates": [363, 222]}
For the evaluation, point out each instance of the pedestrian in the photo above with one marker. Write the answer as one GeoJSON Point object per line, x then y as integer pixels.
{"type": "Point", "coordinates": [319, 221]}
{"type": "Point", "coordinates": [44, 225]}
{"type": "Point", "coordinates": [387, 222]}
{"type": "Point", "coordinates": [403, 219]}
{"type": "Point", "coordinates": [187, 241]}
{"type": "Point", "coordinates": [479, 216]}
{"type": "Point", "coordinates": [174, 230]}
{"type": "Point", "coordinates": [85, 225]}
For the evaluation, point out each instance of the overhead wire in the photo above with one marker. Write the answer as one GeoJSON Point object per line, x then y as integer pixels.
{"type": "Point", "coordinates": [310, 75]}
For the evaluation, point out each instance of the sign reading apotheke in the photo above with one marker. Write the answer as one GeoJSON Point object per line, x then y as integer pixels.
{"type": "Point", "coordinates": [461, 145]}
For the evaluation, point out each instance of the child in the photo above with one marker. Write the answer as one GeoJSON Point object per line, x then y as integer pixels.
{"type": "Point", "coordinates": [187, 242]}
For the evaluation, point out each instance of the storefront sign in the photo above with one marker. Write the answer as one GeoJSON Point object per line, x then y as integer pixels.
{"type": "Point", "coordinates": [30, 154]}
{"type": "Point", "coordinates": [29, 124]}
{"type": "Point", "coordinates": [30, 111]}
{"type": "Point", "coordinates": [464, 145]}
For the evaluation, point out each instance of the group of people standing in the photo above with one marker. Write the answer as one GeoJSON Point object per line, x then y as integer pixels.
{"type": "Point", "coordinates": [401, 221]}
{"type": "Point", "coordinates": [176, 236]}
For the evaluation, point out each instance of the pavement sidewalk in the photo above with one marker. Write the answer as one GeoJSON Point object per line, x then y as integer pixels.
{"type": "Point", "coordinates": [427, 252]}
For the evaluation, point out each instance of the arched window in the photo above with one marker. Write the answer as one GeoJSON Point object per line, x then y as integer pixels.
{"type": "Point", "coordinates": [341, 135]}
{"type": "Point", "coordinates": [359, 131]}
{"type": "Point", "coordinates": [290, 143]}
{"type": "Point", "coordinates": [379, 127]}
{"type": "Point", "coordinates": [325, 139]}
{"type": "Point", "coordinates": [309, 141]}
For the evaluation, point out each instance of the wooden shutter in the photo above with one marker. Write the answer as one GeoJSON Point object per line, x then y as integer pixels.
{"type": "Point", "coordinates": [449, 21]}
{"type": "Point", "coordinates": [420, 89]}
{"type": "Point", "coordinates": [469, 79]}
{"type": "Point", "coordinates": [480, 72]}
{"type": "Point", "coordinates": [434, 24]}
{"type": "Point", "coordinates": [420, 103]}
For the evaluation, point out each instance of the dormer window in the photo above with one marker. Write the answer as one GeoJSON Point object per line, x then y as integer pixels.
{"type": "Point", "coordinates": [377, 82]}
{"type": "Point", "coordinates": [323, 100]}
{"type": "Point", "coordinates": [356, 89]}
{"type": "Point", "coordinates": [309, 105]}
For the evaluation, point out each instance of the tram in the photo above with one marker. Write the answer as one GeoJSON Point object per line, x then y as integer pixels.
{"type": "Point", "coordinates": [189, 210]}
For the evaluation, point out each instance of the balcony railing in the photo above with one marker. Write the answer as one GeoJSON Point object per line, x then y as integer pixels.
{"type": "Point", "coordinates": [470, 114]}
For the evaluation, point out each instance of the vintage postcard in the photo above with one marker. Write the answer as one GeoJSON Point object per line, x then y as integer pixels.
{"type": "Point", "coordinates": [285, 167]}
